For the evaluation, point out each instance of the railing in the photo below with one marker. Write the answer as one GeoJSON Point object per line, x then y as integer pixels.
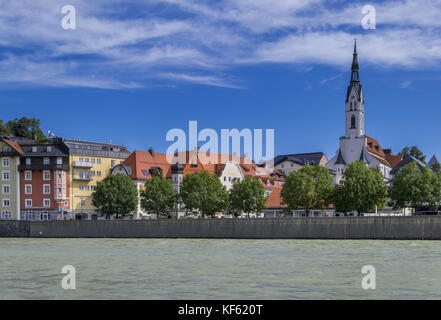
{"type": "Point", "coordinates": [82, 178]}
{"type": "Point", "coordinates": [83, 164]}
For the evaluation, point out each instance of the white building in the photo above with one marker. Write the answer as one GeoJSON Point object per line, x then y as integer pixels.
{"type": "Point", "coordinates": [355, 145]}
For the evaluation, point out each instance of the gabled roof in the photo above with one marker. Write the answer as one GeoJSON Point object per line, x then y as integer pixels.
{"type": "Point", "coordinates": [13, 145]}
{"type": "Point", "coordinates": [408, 159]}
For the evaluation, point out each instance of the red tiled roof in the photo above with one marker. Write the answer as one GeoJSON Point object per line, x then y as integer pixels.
{"type": "Point", "coordinates": [13, 145]}
{"type": "Point", "coordinates": [394, 159]}
{"type": "Point", "coordinates": [274, 199]}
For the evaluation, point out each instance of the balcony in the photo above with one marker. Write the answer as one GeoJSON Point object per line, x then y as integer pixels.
{"type": "Point", "coordinates": [83, 164]}
{"type": "Point", "coordinates": [82, 178]}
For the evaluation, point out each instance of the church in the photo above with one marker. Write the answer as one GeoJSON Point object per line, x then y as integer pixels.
{"type": "Point", "coordinates": [355, 145]}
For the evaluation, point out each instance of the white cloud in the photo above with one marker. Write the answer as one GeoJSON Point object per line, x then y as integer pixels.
{"type": "Point", "coordinates": [194, 41]}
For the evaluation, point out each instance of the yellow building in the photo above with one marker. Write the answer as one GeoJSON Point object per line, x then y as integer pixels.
{"type": "Point", "coordinates": [89, 163]}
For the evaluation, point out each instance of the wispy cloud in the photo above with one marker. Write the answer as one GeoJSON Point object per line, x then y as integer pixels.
{"type": "Point", "coordinates": [127, 44]}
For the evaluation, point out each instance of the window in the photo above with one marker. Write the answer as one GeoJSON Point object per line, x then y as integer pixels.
{"type": "Point", "coordinates": [66, 204]}
{"type": "Point", "coordinates": [6, 203]}
{"type": "Point", "coordinates": [112, 163]}
{"type": "Point", "coordinates": [81, 187]}
{"type": "Point", "coordinates": [28, 189]}
{"type": "Point", "coordinates": [87, 188]}
{"type": "Point", "coordinates": [28, 175]}
{"type": "Point", "coordinates": [46, 189]}
{"type": "Point", "coordinates": [98, 161]}
{"type": "Point", "coordinates": [46, 175]}
{"type": "Point", "coordinates": [49, 149]}
{"type": "Point", "coordinates": [34, 149]}
{"type": "Point", "coordinates": [87, 160]}
{"type": "Point", "coordinates": [144, 172]}
{"type": "Point", "coordinates": [46, 202]}
{"type": "Point", "coordinates": [292, 165]}
{"type": "Point", "coordinates": [92, 173]}
{"type": "Point", "coordinates": [28, 161]}
{"type": "Point", "coordinates": [6, 189]}
{"type": "Point", "coordinates": [6, 215]}
{"type": "Point", "coordinates": [46, 161]}
{"type": "Point", "coordinates": [93, 188]}
{"type": "Point", "coordinates": [352, 122]}
{"type": "Point", "coordinates": [59, 160]}
{"type": "Point", "coordinates": [93, 160]}
{"type": "Point", "coordinates": [28, 215]}
{"type": "Point", "coordinates": [5, 162]}
{"type": "Point", "coordinates": [44, 216]}
{"type": "Point", "coordinates": [98, 173]}
{"type": "Point", "coordinates": [282, 166]}
{"type": "Point", "coordinates": [28, 203]}
{"type": "Point", "coordinates": [6, 176]}
{"type": "Point", "coordinates": [80, 159]}
{"type": "Point", "coordinates": [80, 174]}
{"type": "Point", "coordinates": [83, 203]}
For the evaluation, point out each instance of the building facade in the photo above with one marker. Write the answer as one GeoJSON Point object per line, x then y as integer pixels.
{"type": "Point", "coordinates": [89, 163]}
{"type": "Point", "coordinates": [355, 145]}
{"type": "Point", "coordinates": [140, 166]}
{"type": "Point", "coordinates": [293, 162]}
{"type": "Point", "coordinates": [10, 153]}
{"type": "Point", "coordinates": [44, 180]}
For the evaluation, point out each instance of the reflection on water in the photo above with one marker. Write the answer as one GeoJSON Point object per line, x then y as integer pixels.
{"type": "Point", "coordinates": [218, 269]}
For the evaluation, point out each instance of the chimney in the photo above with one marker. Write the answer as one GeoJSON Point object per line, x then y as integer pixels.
{"type": "Point", "coordinates": [151, 151]}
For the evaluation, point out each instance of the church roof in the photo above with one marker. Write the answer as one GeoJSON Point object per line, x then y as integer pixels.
{"type": "Point", "coordinates": [432, 161]}
{"type": "Point", "coordinates": [340, 159]}
{"type": "Point", "coordinates": [363, 156]}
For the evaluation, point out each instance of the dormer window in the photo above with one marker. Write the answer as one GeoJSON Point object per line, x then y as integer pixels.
{"type": "Point", "coordinates": [49, 149]}
{"type": "Point", "coordinates": [34, 149]}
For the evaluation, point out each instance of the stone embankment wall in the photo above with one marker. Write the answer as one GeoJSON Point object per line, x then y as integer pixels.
{"type": "Point", "coordinates": [394, 228]}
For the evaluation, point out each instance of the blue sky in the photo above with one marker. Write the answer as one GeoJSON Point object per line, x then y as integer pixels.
{"type": "Point", "coordinates": [132, 70]}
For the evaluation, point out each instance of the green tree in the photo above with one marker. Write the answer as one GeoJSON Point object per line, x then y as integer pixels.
{"type": "Point", "coordinates": [436, 168]}
{"type": "Point", "coordinates": [116, 194]}
{"type": "Point", "coordinates": [158, 196]}
{"type": "Point", "coordinates": [361, 189]}
{"type": "Point", "coordinates": [413, 151]}
{"type": "Point", "coordinates": [4, 131]}
{"type": "Point", "coordinates": [247, 196]}
{"type": "Point", "coordinates": [310, 187]}
{"type": "Point", "coordinates": [203, 192]}
{"type": "Point", "coordinates": [413, 187]}
{"type": "Point", "coordinates": [26, 128]}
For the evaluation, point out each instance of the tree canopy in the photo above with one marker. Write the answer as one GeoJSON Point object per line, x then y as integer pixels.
{"type": "Point", "coordinates": [158, 196]}
{"type": "Point", "coordinates": [413, 151]}
{"type": "Point", "coordinates": [203, 192]}
{"type": "Point", "coordinates": [247, 196]}
{"type": "Point", "coordinates": [413, 187]}
{"type": "Point", "coordinates": [361, 189]}
{"type": "Point", "coordinates": [116, 194]}
{"type": "Point", "coordinates": [23, 128]}
{"type": "Point", "coordinates": [310, 187]}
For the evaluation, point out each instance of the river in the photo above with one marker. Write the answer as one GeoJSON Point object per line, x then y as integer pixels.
{"type": "Point", "coordinates": [219, 269]}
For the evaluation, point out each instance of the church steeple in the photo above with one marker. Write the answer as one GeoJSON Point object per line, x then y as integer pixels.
{"type": "Point", "coordinates": [354, 101]}
{"type": "Point", "coordinates": [354, 69]}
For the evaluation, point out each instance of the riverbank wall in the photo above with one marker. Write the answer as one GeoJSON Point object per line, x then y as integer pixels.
{"type": "Point", "coordinates": [393, 228]}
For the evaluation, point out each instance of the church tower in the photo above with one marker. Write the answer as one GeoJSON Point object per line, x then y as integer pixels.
{"type": "Point", "coordinates": [354, 102]}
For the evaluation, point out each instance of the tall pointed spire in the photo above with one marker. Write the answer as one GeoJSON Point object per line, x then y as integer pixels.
{"type": "Point", "coordinates": [354, 69]}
